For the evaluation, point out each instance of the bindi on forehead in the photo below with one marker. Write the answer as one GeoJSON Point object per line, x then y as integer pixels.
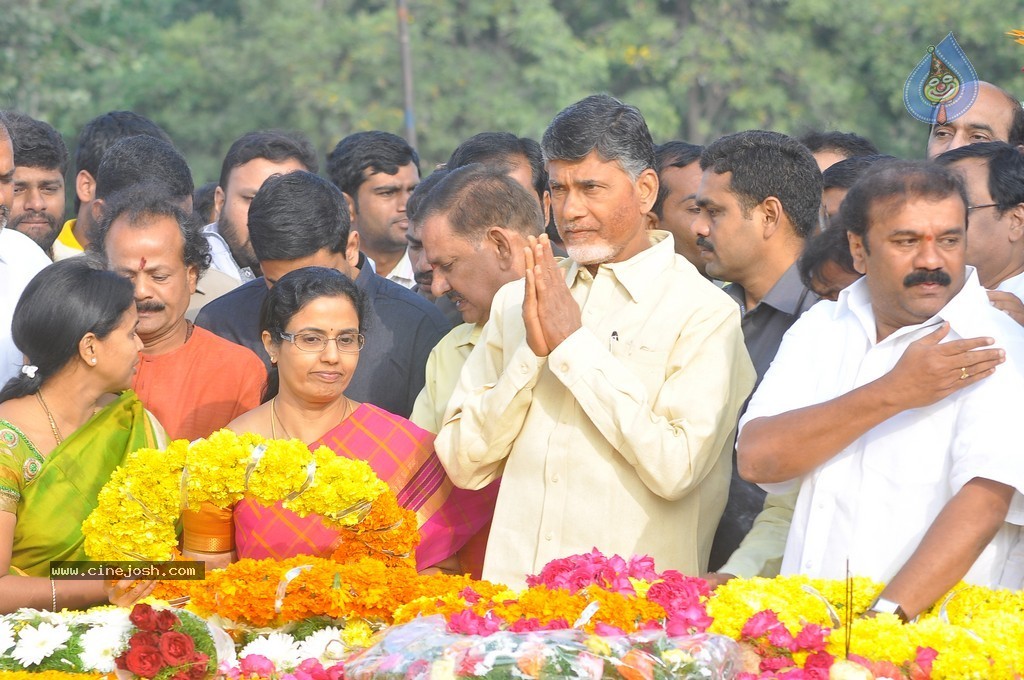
{"type": "Point", "coordinates": [142, 264]}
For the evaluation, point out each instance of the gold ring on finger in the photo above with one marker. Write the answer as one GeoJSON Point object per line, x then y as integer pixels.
{"type": "Point", "coordinates": [964, 375]}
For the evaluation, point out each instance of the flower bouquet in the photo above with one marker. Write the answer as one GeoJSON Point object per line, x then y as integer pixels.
{"type": "Point", "coordinates": [426, 649]}
{"type": "Point", "coordinates": [166, 644]}
{"type": "Point", "coordinates": [145, 642]}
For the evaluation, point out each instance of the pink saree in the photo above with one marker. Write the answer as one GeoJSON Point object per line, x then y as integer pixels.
{"type": "Point", "coordinates": [402, 455]}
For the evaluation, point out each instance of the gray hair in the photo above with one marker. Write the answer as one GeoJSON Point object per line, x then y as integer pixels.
{"type": "Point", "coordinates": [602, 123]}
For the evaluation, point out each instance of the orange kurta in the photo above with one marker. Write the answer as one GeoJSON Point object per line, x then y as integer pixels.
{"type": "Point", "coordinates": [201, 386]}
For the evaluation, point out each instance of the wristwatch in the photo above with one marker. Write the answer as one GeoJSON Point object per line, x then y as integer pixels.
{"type": "Point", "coordinates": [884, 606]}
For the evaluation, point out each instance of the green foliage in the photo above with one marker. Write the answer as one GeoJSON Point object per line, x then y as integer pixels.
{"type": "Point", "coordinates": [211, 70]}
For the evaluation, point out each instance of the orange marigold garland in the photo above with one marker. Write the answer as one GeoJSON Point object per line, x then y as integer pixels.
{"type": "Point", "coordinates": [389, 533]}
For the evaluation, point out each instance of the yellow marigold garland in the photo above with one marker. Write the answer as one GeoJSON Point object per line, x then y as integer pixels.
{"type": "Point", "coordinates": [141, 503]}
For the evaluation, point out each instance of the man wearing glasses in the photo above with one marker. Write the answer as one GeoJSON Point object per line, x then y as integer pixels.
{"type": "Point", "coordinates": [993, 174]}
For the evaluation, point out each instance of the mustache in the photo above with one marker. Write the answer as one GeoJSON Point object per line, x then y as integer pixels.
{"type": "Point", "coordinates": [920, 276]}
{"type": "Point", "coordinates": [702, 242]}
{"type": "Point", "coordinates": [423, 278]}
{"type": "Point", "coordinates": [152, 306]}
{"type": "Point", "coordinates": [35, 215]}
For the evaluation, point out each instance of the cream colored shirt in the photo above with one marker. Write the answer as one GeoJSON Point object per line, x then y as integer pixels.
{"type": "Point", "coordinates": [760, 553]}
{"type": "Point", "coordinates": [621, 438]}
{"type": "Point", "coordinates": [442, 375]}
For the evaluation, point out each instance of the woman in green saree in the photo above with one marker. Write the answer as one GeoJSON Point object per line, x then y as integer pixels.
{"type": "Point", "coordinates": [63, 430]}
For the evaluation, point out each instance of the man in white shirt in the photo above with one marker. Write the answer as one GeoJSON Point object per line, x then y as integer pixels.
{"type": "Point", "coordinates": [377, 171]}
{"type": "Point", "coordinates": [893, 409]}
{"type": "Point", "coordinates": [993, 174]}
{"type": "Point", "coordinates": [250, 160]}
{"type": "Point", "coordinates": [603, 390]}
{"type": "Point", "coordinates": [20, 260]}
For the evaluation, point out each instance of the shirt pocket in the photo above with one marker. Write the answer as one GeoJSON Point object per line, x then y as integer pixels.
{"type": "Point", "coordinates": [647, 364]}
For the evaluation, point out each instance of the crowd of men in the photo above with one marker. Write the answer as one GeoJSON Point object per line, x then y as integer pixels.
{"type": "Point", "coordinates": [767, 353]}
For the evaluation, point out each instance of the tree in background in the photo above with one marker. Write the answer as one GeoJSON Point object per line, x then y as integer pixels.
{"type": "Point", "coordinates": [210, 70]}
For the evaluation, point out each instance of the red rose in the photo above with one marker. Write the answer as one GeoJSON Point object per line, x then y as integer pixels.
{"type": "Point", "coordinates": [197, 669]}
{"type": "Point", "coordinates": [176, 648]}
{"type": "Point", "coordinates": [143, 616]}
{"type": "Point", "coordinates": [166, 620]}
{"type": "Point", "coordinates": [145, 662]}
{"type": "Point", "coordinates": [144, 639]}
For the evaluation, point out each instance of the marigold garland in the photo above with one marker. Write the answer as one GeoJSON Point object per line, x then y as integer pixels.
{"type": "Point", "coordinates": [388, 533]}
{"type": "Point", "coordinates": [139, 506]}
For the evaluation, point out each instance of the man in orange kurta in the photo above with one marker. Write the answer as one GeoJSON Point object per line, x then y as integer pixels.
{"type": "Point", "coordinates": [192, 380]}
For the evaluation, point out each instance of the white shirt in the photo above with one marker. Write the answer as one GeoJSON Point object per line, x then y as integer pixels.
{"type": "Point", "coordinates": [874, 501]}
{"type": "Point", "coordinates": [20, 260]}
{"type": "Point", "coordinates": [402, 274]}
{"type": "Point", "coordinates": [1015, 285]}
{"type": "Point", "coordinates": [220, 255]}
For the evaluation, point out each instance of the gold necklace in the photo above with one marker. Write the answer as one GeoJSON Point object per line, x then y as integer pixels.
{"type": "Point", "coordinates": [49, 416]}
{"type": "Point", "coordinates": [274, 417]}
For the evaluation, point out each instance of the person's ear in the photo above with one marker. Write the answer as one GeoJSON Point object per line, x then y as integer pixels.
{"type": "Point", "coordinates": [498, 239]}
{"type": "Point", "coordinates": [96, 208]}
{"type": "Point", "coordinates": [647, 188]}
{"type": "Point", "coordinates": [87, 349]}
{"type": "Point", "coordinates": [270, 346]}
{"type": "Point", "coordinates": [218, 203]}
{"type": "Point", "coordinates": [858, 249]}
{"type": "Point", "coordinates": [85, 186]}
{"type": "Point", "coordinates": [772, 216]}
{"type": "Point", "coordinates": [1016, 217]}
{"type": "Point", "coordinates": [352, 248]}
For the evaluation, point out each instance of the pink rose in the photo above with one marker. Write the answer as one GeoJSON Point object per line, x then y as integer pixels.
{"type": "Point", "coordinates": [758, 624]}
{"type": "Point", "coordinates": [812, 638]}
{"type": "Point", "coordinates": [313, 669]}
{"type": "Point", "coordinates": [258, 664]}
{"type": "Point", "coordinates": [606, 630]}
{"type": "Point", "coordinates": [779, 637]}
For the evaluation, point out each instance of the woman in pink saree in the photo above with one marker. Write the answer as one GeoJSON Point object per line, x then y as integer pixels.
{"type": "Point", "coordinates": [312, 322]}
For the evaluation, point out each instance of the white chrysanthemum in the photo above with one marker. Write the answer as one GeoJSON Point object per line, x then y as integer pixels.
{"type": "Point", "coordinates": [39, 642]}
{"type": "Point", "coordinates": [280, 648]}
{"type": "Point", "coordinates": [6, 636]}
{"type": "Point", "coordinates": [34, 615]}
{"type": "Point", "coordinates": [101, 645]}
{"type": "Point", "coordinates": [325, 645]}
{"type": "Point", "coordinates": [105, 616]}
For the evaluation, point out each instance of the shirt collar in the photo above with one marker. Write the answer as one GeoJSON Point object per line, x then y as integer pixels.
{"type": "Point", "coordinates": [963, 312]}
{"type": "Point", "coordinates": [787, 295]}
{"type": "Point", "coordinates": [639, 272]}
{"type": "Point", "coordinates": [67, 235]}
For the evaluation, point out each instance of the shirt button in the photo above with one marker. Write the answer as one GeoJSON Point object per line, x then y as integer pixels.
{"type": "Point", "coordinates": [564, 368]}
{"type": "Point", "coordinates": [554, 479]}
{"type": "Point", "coordinates": [524, 369]}
{"type": "Point", "coordinates": [549, 536]}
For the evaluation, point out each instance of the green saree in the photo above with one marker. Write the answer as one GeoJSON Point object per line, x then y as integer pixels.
{"type": "Point", "coordinates": [54, 495]}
